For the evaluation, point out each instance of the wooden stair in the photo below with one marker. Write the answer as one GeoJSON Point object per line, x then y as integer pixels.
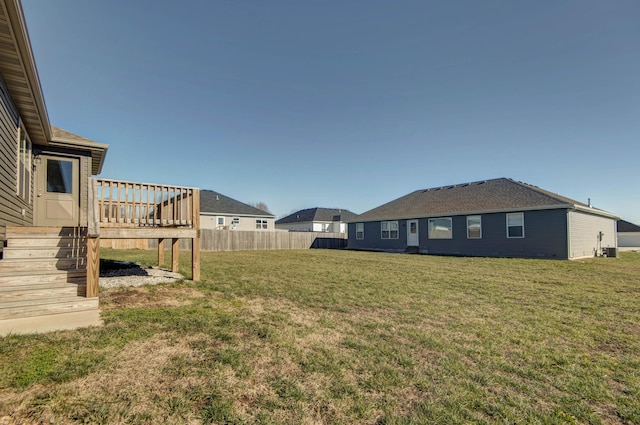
{"type": "Point", "coordinates": [43, 273]}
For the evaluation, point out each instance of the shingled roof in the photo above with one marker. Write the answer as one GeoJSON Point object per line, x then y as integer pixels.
{"type": "Point", "coordinates": [318, 214]}
{"type": "Point", "coordinates": [502, 194]}
{"type": "Point", "coordinates": [216, 203]}
{"type": "Point", "coordinates": [625, 226]}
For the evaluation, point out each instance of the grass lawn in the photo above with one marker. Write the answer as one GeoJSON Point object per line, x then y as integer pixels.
{"type": "Point", "coordinates": [319, 336]}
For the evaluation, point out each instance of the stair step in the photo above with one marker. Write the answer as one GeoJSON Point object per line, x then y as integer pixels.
{"type": "Point", "coordinates": [44, 252]}
{"type": "Point", "coordinates": [42, 275]}
{"type": "Point", "coordinates": [52, 264]}
{"type": "Point", "coordinates": [45, 232]}
{"type": "Point", "coordinates": [39, 292]}
{"type": "Point", "coordinates": [55, 241]}
{"type": "Point", "coordinates": [30, 308]}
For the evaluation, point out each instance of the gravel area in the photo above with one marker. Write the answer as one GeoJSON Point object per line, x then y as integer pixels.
{"type": "Point", "coordinates": [134, 275]}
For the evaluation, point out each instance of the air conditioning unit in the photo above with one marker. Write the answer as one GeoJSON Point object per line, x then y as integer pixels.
{"type": "Point", "coordinates": [610, 252]}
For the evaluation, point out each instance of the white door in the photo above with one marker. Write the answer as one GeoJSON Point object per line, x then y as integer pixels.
{"type": "Point", "coordinates": [413, 238]}
{"type": "Point", "coordinates": [57, 191]}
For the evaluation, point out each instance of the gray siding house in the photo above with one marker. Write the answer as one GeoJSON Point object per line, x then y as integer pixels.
{"type": "Point", "coordinates": [220, 212]}
{"type": "Point", "coordinates": [317, 219]}
{"type": "Point", "coordinates": [494, 218]}
{"type": "Point", "coordinates": [628, 234]}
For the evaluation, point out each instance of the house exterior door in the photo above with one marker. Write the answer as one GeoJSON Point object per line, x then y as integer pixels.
{"type": "Point", "coordinates": [413, 236]}
{"type": "Point", "coordinates": [57, 191]}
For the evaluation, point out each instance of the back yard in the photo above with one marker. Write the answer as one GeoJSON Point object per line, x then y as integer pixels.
{"type": "Point", "coordinates": [320, 336]}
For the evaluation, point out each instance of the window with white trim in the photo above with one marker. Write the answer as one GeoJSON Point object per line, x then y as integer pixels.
{"type": "Point", "coordinates": [440, 228]}
{"type": "Point", "coordinates": [474, 227]}
{"type": "Point", "coordinates": [515, 225]}
{"type": "Point", "coordinates": [220, 221]}
{"type": "Point", "coordinates": [389, 229]}
{"type": "Point", "coordinates": [261, 224]}
{"type": "Point", "coordinates": [23, 186]}
{"type": "Point", "coordinates": [359, 230]}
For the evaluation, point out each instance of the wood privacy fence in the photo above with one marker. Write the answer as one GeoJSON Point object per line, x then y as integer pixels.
{"type": "Point", "coordinates": [241, 240]}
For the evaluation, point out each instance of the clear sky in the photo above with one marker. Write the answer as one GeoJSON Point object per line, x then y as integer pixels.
{"type": "Point", "coordinates": [350, 104]}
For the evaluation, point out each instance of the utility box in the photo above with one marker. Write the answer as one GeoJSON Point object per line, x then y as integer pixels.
{"type": "Point", "coordinates": [610, 252]}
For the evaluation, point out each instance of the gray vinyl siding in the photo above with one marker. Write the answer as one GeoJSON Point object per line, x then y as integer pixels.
{"type": "Point", "coordinates": [545, 237]}
{"type": "Point", "coordinates": [583, 234]}
{"type": "Point", "coordinates": [373, 238]}
{"type": "Point", "coordinates": [10, 204]}
{"type": "Point", "coordinates": [545, 234]}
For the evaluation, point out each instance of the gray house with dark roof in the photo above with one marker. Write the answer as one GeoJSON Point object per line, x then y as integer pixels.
{"type": "Point", "coordinates": [220, 212]}
{"type": "Point", "coordinates": [494, 218]}
{"type": "Point", "coordinates": [628, 234]}
{"type": "Point", "coordinates": [317, 220]}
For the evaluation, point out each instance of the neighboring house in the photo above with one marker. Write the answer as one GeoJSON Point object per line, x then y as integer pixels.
{"type": "Point", "coordinates": [628, 234]}
{"type": "Point", "coordinates": [317, 220]}
{"type": "Point", "coordinates": [223, 213]}
{"type": "Point", "coordinates": [495, 218]}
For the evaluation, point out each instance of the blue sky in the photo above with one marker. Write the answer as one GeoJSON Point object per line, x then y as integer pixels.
{"type": "Point", "coordinates": [350, 104]}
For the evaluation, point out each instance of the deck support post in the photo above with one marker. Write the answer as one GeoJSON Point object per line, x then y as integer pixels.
{"type": "Point", "coordinates": [195, 258]}
{"type": "Point", "coordinates": [160, 252]}
{"type": "Point", "coordinates": [175, 254]}
{"type": "Point", "coordinates": [93, 267]}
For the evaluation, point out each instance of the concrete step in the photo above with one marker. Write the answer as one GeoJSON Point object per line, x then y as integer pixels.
{"type": "Point", "coordinates": [40, 292]}
{"type": "Point", "coordinates": [41, 307]}
{"type": "Point", "coordinates": [44, 252]}
{"type": "Point", "coordinates": [51, 322]}
{"type": "Point", "coordinates": [39, 264]}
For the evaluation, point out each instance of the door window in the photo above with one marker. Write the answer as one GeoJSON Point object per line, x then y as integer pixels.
{"type": "Point", "coordinates": [59, 176]}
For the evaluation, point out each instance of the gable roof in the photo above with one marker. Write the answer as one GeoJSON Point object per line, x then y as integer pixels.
{"type": "Point", "coordinates": [625, 226]}
{"type": "Point", "coordinates": [485, 196]}
{"type": "Point", "coordinates": [318, 214]}
{"type": "Point", "coordinates": [216, 203]}
{"type": "Point", "coordinates": [66, 139]}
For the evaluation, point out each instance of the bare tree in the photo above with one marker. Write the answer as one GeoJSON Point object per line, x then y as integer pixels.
{"type": "Point", "coordinates": [260, 205]}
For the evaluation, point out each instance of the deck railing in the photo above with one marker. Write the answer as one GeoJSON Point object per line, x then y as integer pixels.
{"type": "Point", "coordinates": [129, 204]}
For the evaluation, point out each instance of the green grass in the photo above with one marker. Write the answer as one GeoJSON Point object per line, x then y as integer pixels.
{"type": "Point", "coordinates": [323, 336]}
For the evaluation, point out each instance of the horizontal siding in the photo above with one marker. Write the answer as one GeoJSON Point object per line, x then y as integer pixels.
{"type": "Point", "coordinates": [11, 205]}
{"type": "Point", "coordinates": [629, 239]}
{"type": "Point", "coordinates": [583, 234]}
{"type": "Point", "coordinates": [545, 237]}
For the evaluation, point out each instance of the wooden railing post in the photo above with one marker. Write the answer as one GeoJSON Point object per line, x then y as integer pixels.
{"type": "Point", "coordinates": [93, 267]}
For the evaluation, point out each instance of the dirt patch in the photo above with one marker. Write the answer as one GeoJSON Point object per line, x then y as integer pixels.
{"type": "Point", "coordinates": [147, 297]}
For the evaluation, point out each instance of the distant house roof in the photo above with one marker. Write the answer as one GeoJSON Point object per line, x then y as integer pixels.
{"type": "Point", "coordinates": [484, 196]}
{"type": "Point", "coordinates": [625, 226]}
{"type": "Point", "coordinates": [216, 203]}
{"type": "Point", "coordinates": [318, 214]}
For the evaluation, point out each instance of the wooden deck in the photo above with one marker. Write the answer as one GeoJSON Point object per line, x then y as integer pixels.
{"type": "Point", "coordinates": [54, 271]}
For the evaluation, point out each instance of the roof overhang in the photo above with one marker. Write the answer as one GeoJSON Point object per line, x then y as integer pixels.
{"type": "Point", "coordinates": [65, 139]}
{"type": "Point", "coordinates": [494, 211]}
{"type": "Point", "coordinates": [19, 72]}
